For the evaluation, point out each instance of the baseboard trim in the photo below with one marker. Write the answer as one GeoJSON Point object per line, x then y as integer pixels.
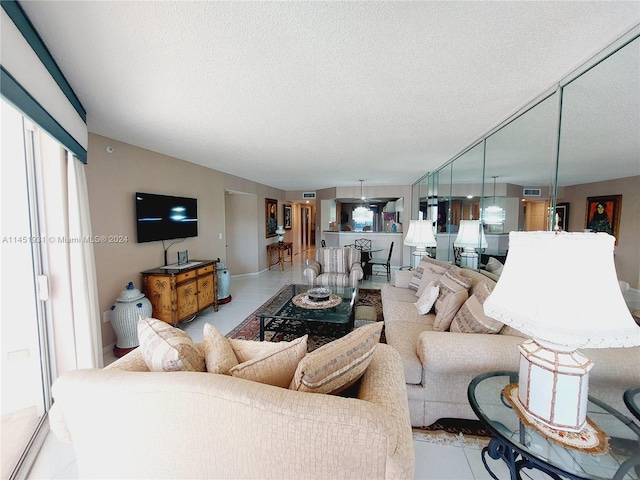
{"type": "Point", "coordinates": [252, 274]}
{"type": "Point", "coordinates": [108, 349]}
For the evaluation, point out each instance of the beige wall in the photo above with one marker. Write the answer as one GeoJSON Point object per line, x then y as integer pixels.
{"type": "Point", "coordinates": [242, 216]}
{"type": "Point", "coordinates": [113, 180]}
{"type": "Point", "coordinates": [238, 184]}
{"type": "Point", "coordinates": [627, 251]}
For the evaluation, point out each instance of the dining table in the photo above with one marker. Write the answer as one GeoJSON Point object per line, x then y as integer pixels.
{"type": "Point", "coordinates": [365, 256]}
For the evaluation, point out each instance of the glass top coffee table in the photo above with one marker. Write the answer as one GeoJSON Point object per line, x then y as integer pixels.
{"type": "Point", "coordinates": [284, 313]}
{"type": "Point", "coordinates": [522, 446]}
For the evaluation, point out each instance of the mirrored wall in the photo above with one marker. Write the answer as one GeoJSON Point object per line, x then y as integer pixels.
{"type": "Point", "coordinates": [550, 166]}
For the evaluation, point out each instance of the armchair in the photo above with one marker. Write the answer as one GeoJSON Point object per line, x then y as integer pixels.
{"type": "Point", "coordinates": [335, 267]}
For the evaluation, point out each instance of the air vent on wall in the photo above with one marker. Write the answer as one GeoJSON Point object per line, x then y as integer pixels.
{"type": "Point", "coordinates": [532, 192]}
{"type": "Point", "coordinates": [308, 195]}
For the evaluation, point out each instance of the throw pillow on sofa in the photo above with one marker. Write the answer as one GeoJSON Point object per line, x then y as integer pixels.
{"type": "Point", "coordinates": [471, 317]}
{"type": "Point", "coordinates": [218, 354]}
{"type": "Point", "coordinates": [428, 298]}
{"type": "Point", "coordinates": [454, 291]}
{"type": "Point", "coordinates": [414, 283]}
{"type": "Point", "coordinates": [275, 367]}
{"type": "Point", "coordinates": [431, 274]}
{"type": "Point", "coordinates": [509, 330]}
{"type": "Point", "coordinates": [494, 266]}
{"type": "Point", "coordinates": [168, 349]}
{"type": "Point", "coordinates": [246, 350]}
{"type": "Point", "coordinates": [430, 267]}
{"type": "Point", "coordinates": [337, 365]}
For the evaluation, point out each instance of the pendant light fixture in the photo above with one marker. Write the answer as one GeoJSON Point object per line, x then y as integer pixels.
{"type": "Point", "coordinates": [362, 210]}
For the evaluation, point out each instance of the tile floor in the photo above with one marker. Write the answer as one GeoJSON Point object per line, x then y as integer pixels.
{"type": "Point", "coordinates": [57, 461]}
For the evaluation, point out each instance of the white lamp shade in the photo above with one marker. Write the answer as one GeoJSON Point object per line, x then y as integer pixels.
{"type": "Point", "coordinates": [562, 288]}
{"type": "Point", "coordinates": [470, 235]}
{"type": "Point", "coordinates": [420, 234]}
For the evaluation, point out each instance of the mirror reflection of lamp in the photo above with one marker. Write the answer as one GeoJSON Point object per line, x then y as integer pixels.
{"type": "Point", "coordinates": [470, 236]}
{"type": "Point", "coordinates": [280, 232]}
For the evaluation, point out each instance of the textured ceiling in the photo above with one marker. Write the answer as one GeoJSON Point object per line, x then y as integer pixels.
{"type": "Point", "coordinates": [309, 95]}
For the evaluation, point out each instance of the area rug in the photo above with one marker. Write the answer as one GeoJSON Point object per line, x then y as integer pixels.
{"type": "Point", "coordinates": [454, 432]}
{"type": "Point", "coordinates": [368, 309]}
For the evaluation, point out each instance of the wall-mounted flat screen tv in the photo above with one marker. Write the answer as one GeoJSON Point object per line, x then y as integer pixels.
{"type": "Point", "coordinates": [164, 217]}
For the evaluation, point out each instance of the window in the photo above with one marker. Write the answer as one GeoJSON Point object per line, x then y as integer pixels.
{"type": "Point", "coordinates": [44, 221]}
{"type": "Point", "coordinates": [362, 217]}
{"type": "Point", "coordinates": [25, 359]}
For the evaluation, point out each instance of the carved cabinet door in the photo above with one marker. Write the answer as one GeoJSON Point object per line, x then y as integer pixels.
{"type": "Point", "coordinates": [205, 291]}
{"type": "Point", "coordinates": [187, 299]}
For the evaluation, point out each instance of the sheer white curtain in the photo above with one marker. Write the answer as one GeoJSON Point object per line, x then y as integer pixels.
{"type": "Point", "coordinates": [73, 310]}
{"type": "Point", "coordinates": [84, 288]}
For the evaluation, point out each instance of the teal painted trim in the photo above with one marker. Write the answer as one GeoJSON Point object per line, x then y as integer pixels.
{"type": "Point", "coordinates": [23, 101]}
{"type": "Point", "coordinates": [19, 17]}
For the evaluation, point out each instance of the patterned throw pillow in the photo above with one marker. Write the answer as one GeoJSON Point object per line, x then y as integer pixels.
{"type": "Point", "coordinates": [414, 283]}
{"type": "Point", "coordinates": [471, 318]}
{"type": "Point", "coordinates": [246, 350]}
{"type": "Point", "coordinates": [218, 354]}
{"type": "Point", "coordinates": [432, 266]}
{"type": "Point", "coordinates": [337, 365]}
{"type": "Point", "coordinates": [274, 368]}
{"type": "Point", "coordinates": [454, 291]}
{"type": "Point", "coordinates": [509, 330]}
{"type": "Point", "coordinates": [432, 274]}
{"type": "Point", "coordinates": [428, 298]}
{"type": "Point", "coordinates": [168, 349]}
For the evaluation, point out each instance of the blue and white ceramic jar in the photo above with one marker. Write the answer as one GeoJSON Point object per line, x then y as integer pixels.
{"type": "Point", "coordinates": [124, 318]}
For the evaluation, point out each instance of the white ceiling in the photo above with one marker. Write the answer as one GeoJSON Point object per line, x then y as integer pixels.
{"type": "Point", "coordinates": [309, 95]}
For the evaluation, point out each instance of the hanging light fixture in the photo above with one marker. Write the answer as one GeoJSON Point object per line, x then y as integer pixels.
{"type": "Point", "coordinates": [362, 214]}
{"type": "Point", "coordinates": [494, 214]}
{"type": "Point", "coordinates": [362, 209]}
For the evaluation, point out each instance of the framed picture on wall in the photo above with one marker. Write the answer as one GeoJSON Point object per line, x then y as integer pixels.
{"type": "Point", "coordinates": [271, 216]}
{"type": "Point", "coordinates": [287, 217]}
{"type": "Point", "coordinates": [561, 222]}
{"type": "Point", "coordinates": [603, 214]}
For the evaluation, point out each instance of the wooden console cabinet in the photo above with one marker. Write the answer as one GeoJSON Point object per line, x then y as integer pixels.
{"type": "Point", "coordinates": [177, 295]}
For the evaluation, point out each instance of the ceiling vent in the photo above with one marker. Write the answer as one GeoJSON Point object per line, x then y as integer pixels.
{"type": "Point", "coordinates": [308, 195]}
{"type": "Point", "coordinates": [532, 192]}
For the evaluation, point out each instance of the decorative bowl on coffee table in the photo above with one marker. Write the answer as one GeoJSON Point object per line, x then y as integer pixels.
{"type": "Point", "coordinates": [319, 294]}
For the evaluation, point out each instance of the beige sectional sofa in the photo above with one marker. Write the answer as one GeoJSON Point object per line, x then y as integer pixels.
{"type": "Point", "coordinates": [127, 422]}
{"type": "Point", "coordinates": [439, 365]}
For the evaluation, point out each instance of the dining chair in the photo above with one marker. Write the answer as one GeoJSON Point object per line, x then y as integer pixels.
{"type": "Point", "coordinates": [457, 255]}
{"type": "Point", "coordinates": [363, 244]}
{"type": "Point", "coordinates": [383, 263]}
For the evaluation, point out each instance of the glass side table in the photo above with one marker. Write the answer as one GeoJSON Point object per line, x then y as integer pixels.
{"type": "Point", "coordinates": [632, 401]}
{"type": "Point", "coordinates": [522, 446]}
